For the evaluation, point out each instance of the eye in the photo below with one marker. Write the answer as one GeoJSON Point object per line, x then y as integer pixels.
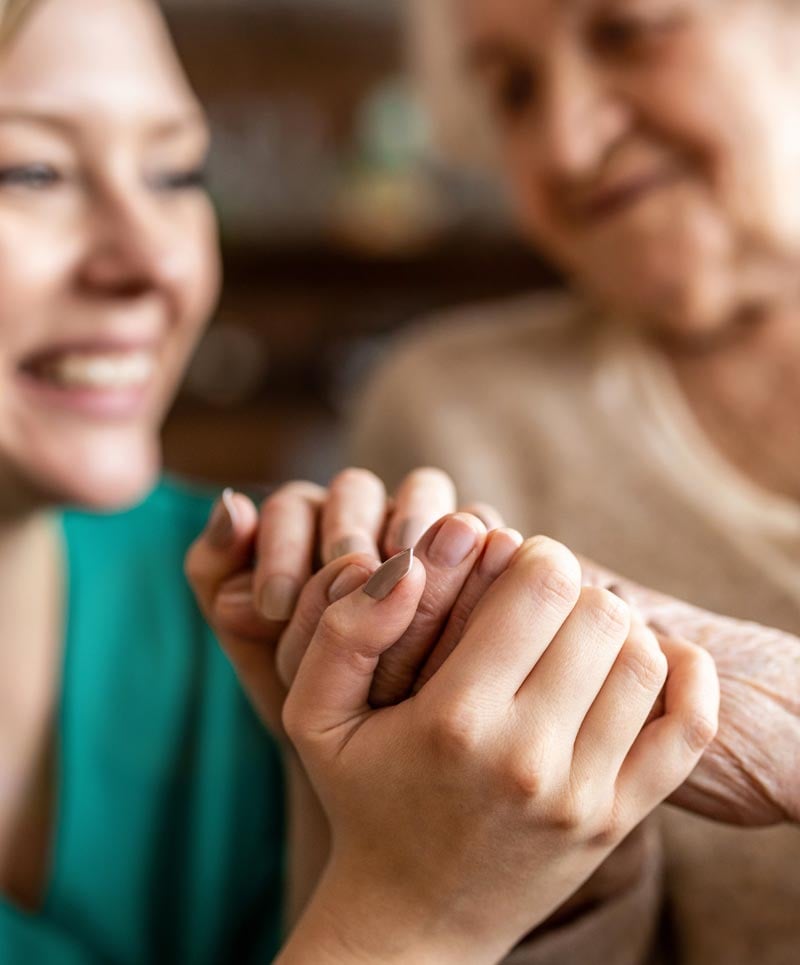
{"type": "Point", "coordinates": [514, 91]}
{"type": "Point", "coordinates": [627, 34]}
{"type": "Point", "coordinates": [193, 179]}
{"type": "Point", "coordinates": [37, 177]}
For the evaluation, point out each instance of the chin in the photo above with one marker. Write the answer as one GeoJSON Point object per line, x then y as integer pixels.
{"type": "Point", "coordinates": [106, 478]}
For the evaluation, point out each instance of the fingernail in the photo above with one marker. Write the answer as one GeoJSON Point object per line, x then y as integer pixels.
{"type": "Point", "coordinates": [391, 574]}
{"type": "Point", "coordinates": [349, 580]}
{"type": "Point", "coordinates": [410, 531]}
{"type": "Point", "coordinates": [453, 543]}
{"type": "Point", "coordinates": [351, 544]}
{"type": "Point", "coordinates": [222, 525]}
{"type": "Point", "coordinates": [278, 598]}
{"type": "Point", "coordinates": [499, 552]}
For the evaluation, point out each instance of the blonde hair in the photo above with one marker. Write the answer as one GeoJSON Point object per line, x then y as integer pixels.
{"type": "Point", "coordinates": [459, 124]}
{"type": "Point", "coordinates": [12, 13]}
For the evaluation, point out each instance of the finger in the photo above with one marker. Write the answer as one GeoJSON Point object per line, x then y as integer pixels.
{"type": "Point", "coordinates": [339, 579]}
{"type": "Point", "coordinates": [668, 749]}
{"type": "Point", "coordinates": [331, 689]}
{"type": "Point", "coordinates": [286, 545]}
{"type": "Point", "coordinates": [513, 625]}
{"type": "Point", "coordinates": [448, 551]}
{"type": "Point", "coordinates": [488, 515]}
{"type": "Point", "coordinates": [500, 548]}
{"type": "Point", "coordinates": [623, 706]}
{"type": "Point", "coordinates": [223, 549]}
{"type": "Point", "coordinates": [353, 515]}
{"type": "Point", "coordinates": [423, 497]}
{"type": "Point", "coordinates": [566, 681]}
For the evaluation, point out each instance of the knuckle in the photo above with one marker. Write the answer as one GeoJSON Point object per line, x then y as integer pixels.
{"type": "Point", "coordinates": [646, 667]}
{"type": "Point", "coordinates": [456, 730]}
{"type": "Point", "coordinates": [611, 615]}
{"type": "Point", "coordinates": [430, 475]}
{"type": "Point", "coordinates": [192, 565]}
{"type": "Point", "coordinates": [584, 812]}
{"type": "Point", "coordinates": [525, 778]}
{"type": "Point", "coordinates": [698, 729]}
{"type": "Point", "coordinates": [559, 572]}
{"type": "Point", "coordinates": [356, 478]}
{"type": "Point", "coordinates": [295, 489]}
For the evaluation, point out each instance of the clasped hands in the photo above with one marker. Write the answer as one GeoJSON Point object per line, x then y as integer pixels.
{"type": "Point", "coordinates": [487, 728]}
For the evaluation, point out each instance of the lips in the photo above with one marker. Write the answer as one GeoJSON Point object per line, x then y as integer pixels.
{"type": "Point", "coordinates": [94, 380]}
{"type": "Point", "coordinates": [609, 201]}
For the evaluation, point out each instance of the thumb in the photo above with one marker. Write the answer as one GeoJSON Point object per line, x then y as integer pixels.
{"type": "Point", "coordinates": [331, 691]}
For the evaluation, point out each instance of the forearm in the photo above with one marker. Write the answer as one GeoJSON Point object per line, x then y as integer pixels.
{"type": "Point", "coordinates": [308, 839]}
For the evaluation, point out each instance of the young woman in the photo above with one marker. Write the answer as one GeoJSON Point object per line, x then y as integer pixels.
{"type": "Point", "coordinates": [140, 799]}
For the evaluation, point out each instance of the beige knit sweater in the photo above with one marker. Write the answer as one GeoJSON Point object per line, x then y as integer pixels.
{"type": "Point", "coordinates": [571, 426]}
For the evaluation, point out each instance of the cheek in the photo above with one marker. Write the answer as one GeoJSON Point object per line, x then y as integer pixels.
{"type": "Point", "coordinates": [199, 277]}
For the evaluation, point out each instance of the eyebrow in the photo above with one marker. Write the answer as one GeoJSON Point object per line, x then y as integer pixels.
{"type": "Point", "coordinates": [162, 129]}
{"type": "Point", "coordinates": [486, 53]}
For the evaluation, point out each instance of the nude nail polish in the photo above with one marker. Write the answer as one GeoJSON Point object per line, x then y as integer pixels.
{"type": "Point", "coordinates": [349, 580]}
{"type": "Point", "coordinates": [222, 525]}
{"type": "Point", "coordinates": [393, 572]}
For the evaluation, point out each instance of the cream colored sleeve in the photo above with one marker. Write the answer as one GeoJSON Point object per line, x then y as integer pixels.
{"type": "Point", "coordinates": [404, 419]}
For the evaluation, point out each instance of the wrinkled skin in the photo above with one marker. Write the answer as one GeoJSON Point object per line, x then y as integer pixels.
{"type": "Point", "coordinates": [750, 775]}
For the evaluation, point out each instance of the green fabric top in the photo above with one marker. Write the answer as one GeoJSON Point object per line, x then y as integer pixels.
{"type": "Point", "coordinates": [168, 842]}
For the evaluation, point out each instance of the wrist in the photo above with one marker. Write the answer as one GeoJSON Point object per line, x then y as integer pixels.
{"type": "Point", "coordinates": [360, 920]}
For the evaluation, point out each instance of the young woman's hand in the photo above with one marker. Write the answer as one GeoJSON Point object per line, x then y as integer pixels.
{"type": "Point", "coordinates": [750, 775]}
{"type": "Point", "coordinates": [464, 815]}
{"type": "Point", "coordinates": [250, 566]}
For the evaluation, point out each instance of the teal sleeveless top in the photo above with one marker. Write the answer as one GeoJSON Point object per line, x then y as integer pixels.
{"type": "Point", "coordinates": [168, 835]}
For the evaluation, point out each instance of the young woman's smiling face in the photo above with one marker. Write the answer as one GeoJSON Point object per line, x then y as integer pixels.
{"type": "Point", "coordinates": [652, 146]}
{"type": "Point", "coordinates": [108, 249]}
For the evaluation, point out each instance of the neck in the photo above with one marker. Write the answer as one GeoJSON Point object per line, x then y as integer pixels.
{"type": "Point", "coordinates": [745, 392]}
{"type": "Point", "coordinates": [28, 559]}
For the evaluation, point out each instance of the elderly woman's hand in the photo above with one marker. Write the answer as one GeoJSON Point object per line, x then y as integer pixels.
{"type": "Point", "coordinates": [750, 775]}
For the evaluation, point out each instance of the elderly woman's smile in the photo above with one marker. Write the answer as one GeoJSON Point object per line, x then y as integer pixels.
{"type": "Point", "coordinates": [649, 144]}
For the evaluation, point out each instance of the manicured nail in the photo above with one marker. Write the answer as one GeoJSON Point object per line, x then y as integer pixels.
{"type": "Point", "coordinates": [351, 544]}
{"type": "Point", "coordinates": [453, 543]}
{"type": "Point", "coordinates": [349, 580]}
{"type": "Point", "coordinates": [278, 598]}
{"type": "Point", "coordinates": [222, 525]}
{"type": "Point", "coordinates": [410, 531]}
{"type": "Point", "coordinates": [390, 575]}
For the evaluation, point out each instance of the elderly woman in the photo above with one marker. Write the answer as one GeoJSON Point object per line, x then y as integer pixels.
{"type": "Point", "coordinates": [649, 417]}
{"type": "Point", "coordinates": [140, 799]}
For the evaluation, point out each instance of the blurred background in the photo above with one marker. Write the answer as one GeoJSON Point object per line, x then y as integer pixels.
{"type": "Point", "coordinates": [339, 223]}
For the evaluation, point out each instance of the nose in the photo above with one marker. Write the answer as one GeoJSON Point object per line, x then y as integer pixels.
{"type": "Point", "coordinates": [128, 253]}
{"type": "Point", "coordinates": [582, 118]}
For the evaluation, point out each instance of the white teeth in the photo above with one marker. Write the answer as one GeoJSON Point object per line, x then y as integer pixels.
{"type": "Point", "coordinates": [117, 371]}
